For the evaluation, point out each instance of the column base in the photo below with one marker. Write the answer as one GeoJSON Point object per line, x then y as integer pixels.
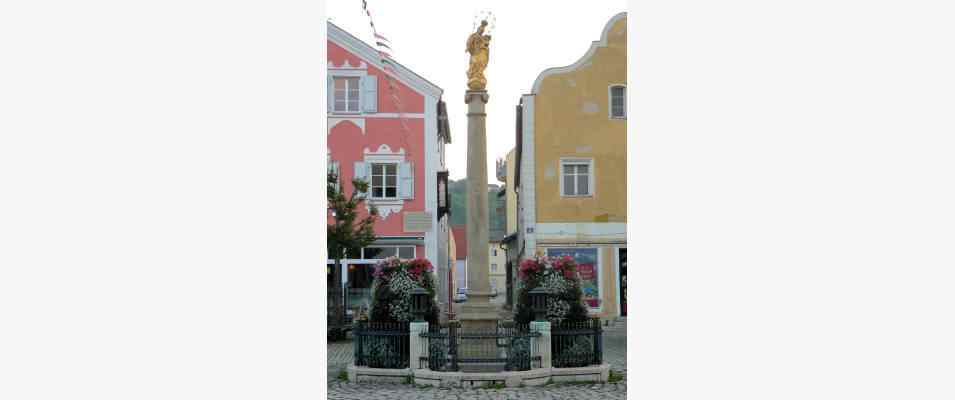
{"type": "Point", "coordinates": [476, 314]}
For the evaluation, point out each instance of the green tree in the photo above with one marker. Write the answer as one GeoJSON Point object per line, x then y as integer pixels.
{"type": "Point", "coordinates": [348, 232]}
{"type": "Point", "coordinates": [496, 207]}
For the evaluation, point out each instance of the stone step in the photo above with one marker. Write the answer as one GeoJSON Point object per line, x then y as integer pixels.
{"type": "Point", "coordinates": [481, 367]}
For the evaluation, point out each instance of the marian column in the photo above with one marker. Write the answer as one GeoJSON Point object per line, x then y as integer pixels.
{"type": "Point", "coordinates": [478, 311]}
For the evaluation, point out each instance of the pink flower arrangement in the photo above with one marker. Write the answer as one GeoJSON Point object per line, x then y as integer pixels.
{"type": "Point", "coordinates": [387, 266]}
{"type": "Point", "coordinates": [565, 266]}
{"type": "Point", "coordinates": [419, 266]}
{"type": "Point", "coordinates": [416, 268]}
{"type": "Point", "coordinates": [529, 266]}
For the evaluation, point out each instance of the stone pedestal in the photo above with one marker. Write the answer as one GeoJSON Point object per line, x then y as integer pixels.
{"type": "Point", "coordinates": [418, 345]}
{"type": "Point", "coordinates": [477, 311]}
{"type": "Point", "coordinates": [541, 344]}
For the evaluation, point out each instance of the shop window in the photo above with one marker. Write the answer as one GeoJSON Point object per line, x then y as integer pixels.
{"type": "Point", "coordinates": [381, 252]}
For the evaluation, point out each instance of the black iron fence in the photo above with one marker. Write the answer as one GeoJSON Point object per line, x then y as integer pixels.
{"type": "Point", "coordinates": [576, 344]}
{"type": "Point", "coordinates": [503, 348]}
{"type": "Point", "coordinates": [381, 345]}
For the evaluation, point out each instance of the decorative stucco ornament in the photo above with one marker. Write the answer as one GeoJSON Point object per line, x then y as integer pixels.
{"type": "Point", "coordinates": [478, 46]}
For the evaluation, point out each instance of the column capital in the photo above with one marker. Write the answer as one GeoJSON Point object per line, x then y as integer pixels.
{"type": "Point", "coordinates": [471, 95]}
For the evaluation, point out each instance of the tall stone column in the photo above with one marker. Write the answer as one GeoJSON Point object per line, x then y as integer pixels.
{"type": "Point", "coordinates": [477, 312]}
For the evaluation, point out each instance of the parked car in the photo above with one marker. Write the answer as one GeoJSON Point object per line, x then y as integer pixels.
{"type": "Point", "coordinates": [461, 296]}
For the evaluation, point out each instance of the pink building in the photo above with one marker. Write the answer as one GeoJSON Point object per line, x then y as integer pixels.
{"type": "Point", "coordinates": [398, 147]}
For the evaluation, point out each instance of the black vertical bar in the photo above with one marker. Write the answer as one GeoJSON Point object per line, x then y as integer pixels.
{"type": "Point", "coordinates": [358, 336]}
{"type": "Point", "coordinates": [453, 340]}
{"type": "Point", "coordinates": [598, 332]}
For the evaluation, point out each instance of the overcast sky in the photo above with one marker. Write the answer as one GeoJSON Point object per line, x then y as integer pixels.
{"type": "Point", "coordinates": [428, 37]}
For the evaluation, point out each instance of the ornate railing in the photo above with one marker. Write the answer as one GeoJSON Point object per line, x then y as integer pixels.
{"type": "Point", "coordinates": [381, 345]}
{"type": "Point", "coordinates": [576, 344]}
{"type": "Point", "coordinates": [507, 348]}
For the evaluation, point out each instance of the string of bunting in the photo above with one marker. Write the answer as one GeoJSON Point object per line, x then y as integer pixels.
{"type": "Point", "coordinates": [383, 46]}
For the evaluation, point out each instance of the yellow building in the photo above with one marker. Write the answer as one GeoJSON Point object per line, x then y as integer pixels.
{"type": "Point", "coordinates": [510, 224]}
{"type": "Point", "coordinates": [497, 277]}
{"type": "Point", "coordinates": [572, 168]}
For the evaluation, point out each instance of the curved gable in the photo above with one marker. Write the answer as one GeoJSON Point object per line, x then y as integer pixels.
{"type": "Point", "coordinates": [613, 33]}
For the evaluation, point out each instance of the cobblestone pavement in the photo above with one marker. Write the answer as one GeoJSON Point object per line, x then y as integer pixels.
{"type": "Point", "coordinates": [615, 352]}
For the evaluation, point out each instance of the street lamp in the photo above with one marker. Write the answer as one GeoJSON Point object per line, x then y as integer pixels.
{"type": "Point", "coordinates": [539, 297]}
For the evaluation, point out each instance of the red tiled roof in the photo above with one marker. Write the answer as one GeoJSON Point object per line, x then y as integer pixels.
{"type": "Point", "coordinates": [460, 242]}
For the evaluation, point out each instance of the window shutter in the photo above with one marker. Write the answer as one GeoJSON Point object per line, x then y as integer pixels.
{"type": "Point", "coordinates": [406, 180]}
{"type": "Point", "coordinates": [360, 172]}
{"type": "Point", "coordinates": [330, 92]}
{"type": "Point", "coordinates": [369, 86]}
{"type": "Point", "coordinates": [338, 175]}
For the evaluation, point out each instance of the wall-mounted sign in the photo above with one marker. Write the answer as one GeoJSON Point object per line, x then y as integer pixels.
{"type": "Point", "coordinates": [417, 221]}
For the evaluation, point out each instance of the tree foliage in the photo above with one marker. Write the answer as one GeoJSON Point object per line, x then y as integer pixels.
{"type": "Point", "coordinates": [349, 232]}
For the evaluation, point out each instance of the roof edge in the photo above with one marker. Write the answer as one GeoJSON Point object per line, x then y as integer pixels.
{"type": "Point", "coordinates": [345, 39]}
{"type": "Point", "coordinates": [590, 52]}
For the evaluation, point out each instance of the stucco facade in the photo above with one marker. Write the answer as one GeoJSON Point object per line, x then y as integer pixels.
{"type": "Point", "coordinates": [571, 187]}
{"type": "Point", "coordinates": [510, 196]}
{"type": "Point", "coordinates": [497, 268]}
{"type": "Point", "coordinates": [397, 149]}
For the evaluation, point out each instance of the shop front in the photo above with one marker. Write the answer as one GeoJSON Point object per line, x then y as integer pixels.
{"type": "Point", "coordinates": [602, 269]}
{"type": "Point", "coordinates": [358, 274]}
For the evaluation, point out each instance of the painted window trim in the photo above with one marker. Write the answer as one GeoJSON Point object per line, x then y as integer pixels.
{"type": "Point", "coordinates": [382, 200]}
{"type": "Point", "coordinates": [359, 73]}
{"type": "Point", "coordinates": [598, 268]}
{"type": "Point", "coordinates": [384, 154]}
{"type": "Point", "coordinates": [610, 101]}
{"type": "Point", "coordinates": [591, 187]}
{"type": "Point", "coordinates": [345, 112]}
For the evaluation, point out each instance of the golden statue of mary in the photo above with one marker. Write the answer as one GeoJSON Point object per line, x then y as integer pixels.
{"type": "Point", "coordinates": [478, 46]}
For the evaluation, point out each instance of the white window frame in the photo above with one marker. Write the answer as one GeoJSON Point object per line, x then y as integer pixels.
{"type": "Point", "coordinates": [610, 101]}
{"type": "Point", "coordinates": [385, 155]}
{"type": "Point", "coordinates": [591, 187]}
{"type": "Point", "coordinates": [358, 78]}
{"type": "Point", "coordinates": [370, 166]}
{"type": "Point", "coordinates": [414, 250]}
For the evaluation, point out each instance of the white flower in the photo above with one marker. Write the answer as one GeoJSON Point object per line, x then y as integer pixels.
{"type": "Point", "coordinates": [557, 310]}
{"type": "Point", "coordinates": [402, 284]}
